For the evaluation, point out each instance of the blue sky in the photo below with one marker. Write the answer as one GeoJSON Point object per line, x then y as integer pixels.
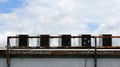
{"type": "Point", "coordinates": [9, 5]}
{"type": "Point", "coordinates": [93, 26]}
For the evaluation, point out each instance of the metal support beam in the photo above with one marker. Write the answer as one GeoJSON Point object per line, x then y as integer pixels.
{"type": "Point", "coordinates": [95, 53]}
{"type": "Point", "coordinates": [8, 54]}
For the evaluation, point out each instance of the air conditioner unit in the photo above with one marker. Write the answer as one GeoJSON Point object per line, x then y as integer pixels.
{"type": "Point", "coordinates": [105, 41]}
{"type": "Point", "coordinates": [65, 40]}
{"type": "Point", "coordinates": [43, 41]}
{"type": "Point", "coordinates": [86, 40]}
{"type": "Point", "coordinates": [22, 41]}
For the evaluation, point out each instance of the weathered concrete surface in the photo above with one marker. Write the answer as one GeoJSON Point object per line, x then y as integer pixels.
{"type": "Point", "coordinates": [60, 62]}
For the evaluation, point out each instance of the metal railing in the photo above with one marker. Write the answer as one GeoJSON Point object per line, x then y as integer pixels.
{"type": "Point", "coordinates": [95, 47]}
{"type": "Point", "coordinates": [9, 45]}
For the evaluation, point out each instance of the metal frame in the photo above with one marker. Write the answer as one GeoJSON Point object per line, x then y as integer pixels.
{"type": "Point", "coordinates": [95, 48]}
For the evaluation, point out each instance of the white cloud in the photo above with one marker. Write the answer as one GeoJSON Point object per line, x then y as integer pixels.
{"type": "Point", "coordinates": [63, 16]}
{"type": "Point", "coordinates": [111, 25]}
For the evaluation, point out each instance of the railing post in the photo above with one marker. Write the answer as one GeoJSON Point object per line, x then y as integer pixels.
{"type": "Point", "coordinates": [8, 56]}
{"type": "Point", "coordinates": [95, 53]}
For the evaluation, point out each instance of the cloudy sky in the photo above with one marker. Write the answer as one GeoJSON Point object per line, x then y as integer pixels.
{"type": "Point", "coordinates": [58, 16]}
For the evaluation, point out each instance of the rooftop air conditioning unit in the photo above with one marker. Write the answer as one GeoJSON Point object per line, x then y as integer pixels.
{"type": "Point", "coordinates": [43, 41]}
{"type": "Point", "coordinates": [105, 41]}
{"type": "Point", "coordinates": [65, 40]}
{"type": "Point", "coordinates": [85, 40]}
{"type": "Point", "coordinates": [22, 41]}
